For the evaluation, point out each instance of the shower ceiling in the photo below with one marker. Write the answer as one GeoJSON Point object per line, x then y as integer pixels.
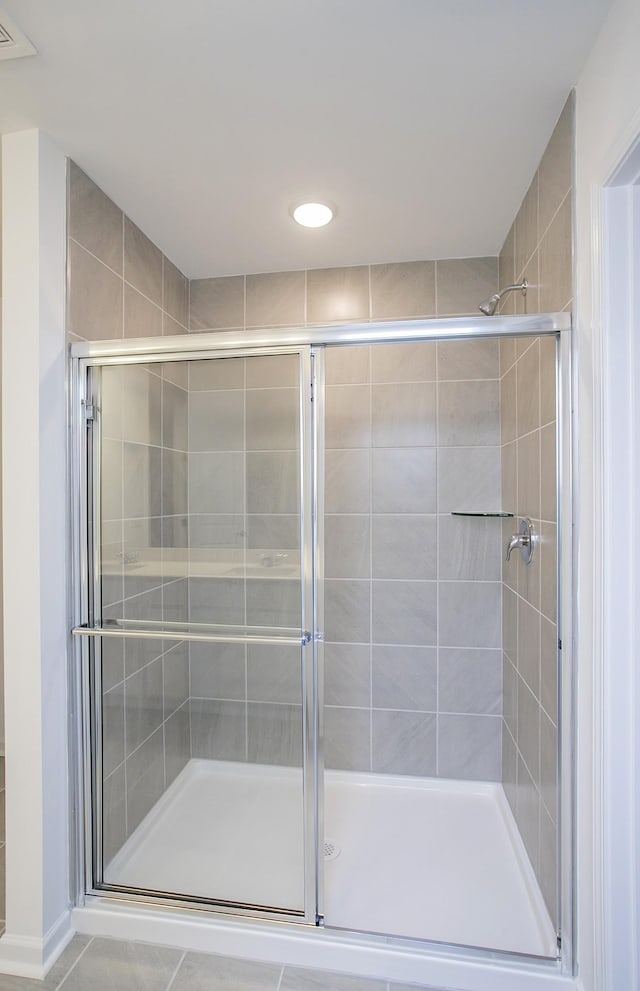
{"type": "Point", "coordinates": [424, 120]}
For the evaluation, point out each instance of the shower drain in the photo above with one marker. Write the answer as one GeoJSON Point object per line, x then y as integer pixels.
{"type": "Point", "coordinates": [331, 850]}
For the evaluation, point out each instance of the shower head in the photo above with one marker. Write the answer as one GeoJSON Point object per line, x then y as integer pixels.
{"type": "Point", "coordinates": [489, 306]}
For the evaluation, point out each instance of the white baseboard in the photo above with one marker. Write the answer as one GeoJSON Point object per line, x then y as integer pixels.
{"type": "Point", "coordinates": [29, 956]}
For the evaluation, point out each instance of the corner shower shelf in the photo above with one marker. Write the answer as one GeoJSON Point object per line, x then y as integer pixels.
{"type": "Point", "coordinates": [499, 516]}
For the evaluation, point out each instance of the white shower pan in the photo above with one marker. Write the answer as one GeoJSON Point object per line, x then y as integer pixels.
{"type": "Point", "coordinates": [425, 859]}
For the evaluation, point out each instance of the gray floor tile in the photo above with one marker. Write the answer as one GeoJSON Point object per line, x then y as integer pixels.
{"type": "Point", "coordinates": [321, 980]}
{"type": "Point", "coordinates": [65, 962]}
{"type": "Point", "coordinates": [201, 972]}
{"type": "Point", "coordinates": [110, 965]}
{"type": "Point", "coordinates": [414, 987]}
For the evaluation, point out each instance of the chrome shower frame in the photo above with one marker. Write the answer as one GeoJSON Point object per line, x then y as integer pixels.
{"type": "Point", "coordinates": [313, 341]}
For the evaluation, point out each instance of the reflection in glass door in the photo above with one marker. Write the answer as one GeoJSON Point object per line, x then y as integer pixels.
{"type": "Point", "coordinates": [201, 592]}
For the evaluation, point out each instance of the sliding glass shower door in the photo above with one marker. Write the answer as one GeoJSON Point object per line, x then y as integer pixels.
{"type": "Point", "coordinates": [292, 555]}
{"type": "Point", "coordinates": [197, 651]}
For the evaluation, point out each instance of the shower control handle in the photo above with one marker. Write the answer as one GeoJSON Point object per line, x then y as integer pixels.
{"type": "Point", "coordinates": [525, 539]}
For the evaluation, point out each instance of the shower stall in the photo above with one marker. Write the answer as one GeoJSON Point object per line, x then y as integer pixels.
{"type": "Point", "coordinates": [314, 690]}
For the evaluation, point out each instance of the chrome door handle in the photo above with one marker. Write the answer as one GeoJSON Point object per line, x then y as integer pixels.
{"type": "Point", "coordinates": [525, 539]}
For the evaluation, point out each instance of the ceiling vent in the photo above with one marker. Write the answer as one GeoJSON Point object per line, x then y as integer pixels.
{"type": "Point", "coordinates": [13, 44]}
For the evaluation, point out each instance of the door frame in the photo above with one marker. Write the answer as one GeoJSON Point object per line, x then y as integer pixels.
{"type": "Point", "coordinates": [86, 458]}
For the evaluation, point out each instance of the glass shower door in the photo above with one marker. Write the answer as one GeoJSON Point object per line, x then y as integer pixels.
{"type": "Point", "coordinates": [200, 666]}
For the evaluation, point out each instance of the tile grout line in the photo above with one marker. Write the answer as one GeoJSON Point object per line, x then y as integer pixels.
{"type": "Point", "coordinates": [121, 277]}
{"type": "Point", "coordinates": [75, 963]}
{"type": "Point", "coordinates": [175, 973]}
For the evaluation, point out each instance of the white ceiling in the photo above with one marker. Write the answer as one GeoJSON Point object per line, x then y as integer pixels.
{"type": "Point", "coordinates": [422, 120]}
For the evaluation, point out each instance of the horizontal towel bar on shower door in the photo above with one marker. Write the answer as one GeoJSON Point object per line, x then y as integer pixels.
{"type": "Point", "coordinates": [249, 638]}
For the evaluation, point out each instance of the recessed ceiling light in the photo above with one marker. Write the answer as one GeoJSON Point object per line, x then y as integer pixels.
{"type": "Point", "coordinates": [313, 214]}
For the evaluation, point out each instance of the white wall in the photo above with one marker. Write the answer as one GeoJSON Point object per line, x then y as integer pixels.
{"type": "Point", "coordinates": [1, 631]}
{"type": "Point", "coordinates": [608, 121]}
{"type": "Point", "coordinates": [34, 539]}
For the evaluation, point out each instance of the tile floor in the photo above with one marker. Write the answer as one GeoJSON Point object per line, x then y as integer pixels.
{"type": "Point", "coordinates": [111, 965]}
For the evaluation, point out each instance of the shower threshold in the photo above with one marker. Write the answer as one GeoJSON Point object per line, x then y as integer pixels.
{"type": "Point", "coordinates": [429, 859]}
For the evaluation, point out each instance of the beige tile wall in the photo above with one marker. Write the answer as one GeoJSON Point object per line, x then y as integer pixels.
{"type": "Point", "coordinates": [244, 504]}
{"type": "Point", "coordinates": [145, 707]}
{"type": "Point", "coordinates": [538, 247]}
{"type": "Point", "coordinates": [412, 594]}
{"type": "Point", "coordinates": [449, 287]}
{"type": "Point", "coordinates": [390, 412]}
{"type": "Point", "coordinates": [120, 285]}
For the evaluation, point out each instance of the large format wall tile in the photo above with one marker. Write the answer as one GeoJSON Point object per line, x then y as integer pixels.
{"type": "Point", "coordinates": [218, 729]}
{"type": "Point", "coordinates": [470, 681]}
{"type": "Point", "coordinates": [275, 300]}
{"type": "Point", "coordinates": [94, 220]}
{"type": "Point", "coordinates": [390, 532]}
{"type": "Point", "coordinates": [556, 167]}
{"type": "Point", "coordinates": [347, 481]}
{"type": "Point", "coordinates": [142, 318]}
{"type": "Point", "coordinates": [462, 283]}
{"type": "Point", "coordinates": [274, 733]}
{"type": "Point", "coordinates": [347, 365]}
{"type": "Point", "coordinates": [347, 547]}
{"type": "Point", "coordinates": [404, 743]}
{"type": "Point", "coordinates": [556, 261]}
{"type": "Point", "coordinates": [540, 241]}
{"type": "Point", "coordinates": [404, 480]}
{"type": "Point", "coordinates": [347, 417]}
{"type": "Point", "coordinates": [217, 304]}
{"type": "Point", "coordinates": [338, 294]}
{"type": "Point", "coordinates": [274, 674]}
{"type": "Point", "coordinates": [468, 414]}
{"type": "Point", "coordinates": [404, 678]}
{"type": "Point", "coordinates": [403, 290]}
{"type": "Point", "coordinates": [121, 285]}
{"type": "Point", "coordinates": [467, 360]}
{"type": "Point", "coordinates": [404, 612]}
{"type": "Point", "coordinates": [469, 614]}
{"type": "Point", "coordinates": [272, 419]}
{"type": "Point", "coordinates": [347, 674]}
{"type": "Point", "coordinates": [347, 744]}
{"type": "Point", "coordinates": [469, 548]}
{"type": "Point", "coordinates": [175, 293]}
{"type": "Point", "coordinates": [403, 415]}
{"type": "Point", "coordinates": [217, 671]}
{"type": "Point", "coordinates": [177, 743]}
{"type": "Point", "coordinates": [142, 263]}
{"type": "Point", "coordinates": [395, 363]}
{"type": "Point", "coordinates": [470, 747]}
{"type": "Point", "coordinates": [469, 479]}
{"type": "Point", "coordinates": [145, 779]}
{"type": "Point", "coordinates": [404, 547]}
{"type": "Point", "coordinates": [95, 297]}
